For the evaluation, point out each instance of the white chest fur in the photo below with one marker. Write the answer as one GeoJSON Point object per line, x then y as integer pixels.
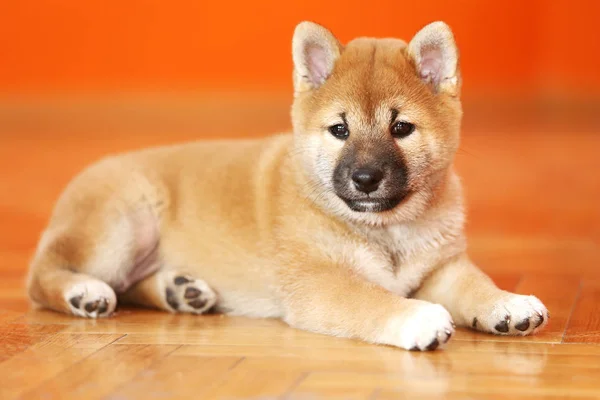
{"type": "Point", "coordinates": [399, 257]}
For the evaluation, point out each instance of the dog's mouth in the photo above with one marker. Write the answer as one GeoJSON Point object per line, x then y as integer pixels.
{"type": "Point", "coordinates": [374, 204]}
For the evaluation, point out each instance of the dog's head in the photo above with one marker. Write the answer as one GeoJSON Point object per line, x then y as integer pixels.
{"type": "Point", "coordinates": [377, 121]}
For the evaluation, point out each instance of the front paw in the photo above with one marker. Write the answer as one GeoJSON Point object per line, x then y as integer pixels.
{"type": "Point", "coordinates": [511, 314]}
{"type": "Point", "coordinates": [425, 326]}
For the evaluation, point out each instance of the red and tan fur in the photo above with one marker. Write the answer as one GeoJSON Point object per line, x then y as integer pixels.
{"type": "Point", "coordinates": [259, 228]}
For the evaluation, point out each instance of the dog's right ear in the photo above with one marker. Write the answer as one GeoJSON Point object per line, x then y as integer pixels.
{"type": "Point", "coordinates": [315, 51]}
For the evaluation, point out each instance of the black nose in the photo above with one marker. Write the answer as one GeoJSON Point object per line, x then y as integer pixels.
{"type": "Point", "coordinates": [367, 179]}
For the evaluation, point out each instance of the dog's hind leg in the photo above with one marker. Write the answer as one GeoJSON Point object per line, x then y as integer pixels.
{"type": "Point", "coordinates": [173, 291]}
{"type": "Point", "coordinates": [60, 288]}
{"type": "Point", "coordinates": [58, 278]}
{"type": "Point", "coordinates": [102, 239]}
{"type": "Point", "coordinates": [79, 269]}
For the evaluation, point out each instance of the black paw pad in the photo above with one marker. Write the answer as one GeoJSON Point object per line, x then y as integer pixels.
{"type": "Point", "coordinates": [540, 320]}
{"type": "Point", "coordinates": [523, 325]}
{"type": "Point", "coordinates": [448, 336]}
{"type": "Point", "coordinates": [474, 324]}
{"type": "Point", "coordinates": [92, 306]}
{"type": "Point", "coordinates": [76, 301]}
{"type": "Point", "coordinates": [192, 293]}
{"type": "Point", "coordinates": [181, 280]}
{"type": "Point", "coordinates": [433, 345]}
{"type": "Point", "coordinates": [414, 348]}
{"type": "Point", "coordinates": [198, 303]}
{"type": "Point", "coordinates": [502, 326]}
{"type": "Point", "coordinates": [102, 305]}
{"type": "Point", "coordinates": [171, 300]}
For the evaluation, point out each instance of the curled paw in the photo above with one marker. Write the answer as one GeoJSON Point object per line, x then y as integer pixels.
{"type": "Point", "coordinates": [186, 294]}
{"type": "Point", "coordinates": [93, 299]}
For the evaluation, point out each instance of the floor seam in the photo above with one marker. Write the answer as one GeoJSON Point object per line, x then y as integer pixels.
{"type": "Point", "coordinates": [294, 385]}
{"type": "Point", "coordinates": [160, 359]}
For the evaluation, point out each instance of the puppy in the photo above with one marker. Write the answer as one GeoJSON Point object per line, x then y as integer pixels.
{"type": "Point", "coordinates": [352, 226]}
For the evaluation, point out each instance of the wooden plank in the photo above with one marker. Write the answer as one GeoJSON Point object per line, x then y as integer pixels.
{"type": "Point", "coordinates": [353, 350]}
{"type": "Point", "coordinates": [317, 386]}
{"type": "Point", "coordinates": [383, 354]}
{"type": "Point", "coordinates": [231, 331]}
{"type": "Point", "coordinates": [178, 377]}
{"type": "Point", "coordinates": [15, 338]}
{"type": "Point", "coordinates": [46, 359]}
{"type": "Point", "coordinates": [101, 373]}
{"type": "Point", "coordinates": [442, 385]}
{"type": "Point", "coordinates": [503, 359]}
{"type": "Point", "coordinates": [245, 381]}
{"type": "Point", "coordinates": [9, 316]}
{"type": "Point", "coordinates": [584, 325]}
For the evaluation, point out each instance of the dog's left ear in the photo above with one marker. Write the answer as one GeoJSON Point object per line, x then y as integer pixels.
{"type": "Point", "coordinates": [435, 55]}
{"type": "Point", "coordinates": [315, 51]}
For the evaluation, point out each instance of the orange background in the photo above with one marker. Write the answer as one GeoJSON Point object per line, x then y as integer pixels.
{"type": "Point", "coordinates": [532, 47]}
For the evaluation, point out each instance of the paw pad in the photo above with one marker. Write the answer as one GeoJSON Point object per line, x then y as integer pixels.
{"type": "Point", "coordinates": [523, 325]}
{"type": "Point", "coordinates": [186, 294]}
{"type": "Point", "coordinates": [171, 298]}
{"type": "Point", "coordinates": [91, 299]}
{"type": "Point", "coordinates": [197, 304]}
{"type": "Point", "coordinates": [192, 293]}
{"type": "Point", "coordinates": [512, 314]}
{"type": "Point", "coordinates": [435, 343]}
{"type": "Point", "coordinates": [502, 326]}
{"type": "Point", "coordinates": [94, 308]}
{"type": "Point", "coordinates": [100, 305]}
{"type": "Point", "coordinates": [540, 319]}
{"type": "Point", "coordinates": [181, 280]}
{"type": "Point", "coordinates": [76, 301]}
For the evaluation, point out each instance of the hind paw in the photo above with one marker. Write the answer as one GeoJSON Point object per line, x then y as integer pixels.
{"type": "Point", "coordinates": [92, 299]}
{"type": "Point", "coordinates": [186, 294]}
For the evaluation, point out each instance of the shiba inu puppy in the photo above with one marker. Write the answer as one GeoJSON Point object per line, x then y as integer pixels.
{"type": "Point", "coordinates": [351, 226]}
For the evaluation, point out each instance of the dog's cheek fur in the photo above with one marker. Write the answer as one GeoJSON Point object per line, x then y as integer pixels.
{"type": "Point", "coordinates": [317, 154]}
{"type": "Point", "coordinates": [430, 149]}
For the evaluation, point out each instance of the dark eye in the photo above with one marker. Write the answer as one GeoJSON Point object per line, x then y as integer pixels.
{"type": "Point", "coordinates": [402, 129]}
{"type": "Point", "coordinates": [340, 131]}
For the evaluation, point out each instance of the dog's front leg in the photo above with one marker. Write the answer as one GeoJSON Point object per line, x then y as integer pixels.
{"type": "Point", "coordinates": [326, 298]}
{"type": "Point", "coordinates": [474, 300]}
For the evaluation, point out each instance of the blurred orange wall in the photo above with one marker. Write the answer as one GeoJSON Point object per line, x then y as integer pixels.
{"type": "Point", "coordinates": [516, 46]}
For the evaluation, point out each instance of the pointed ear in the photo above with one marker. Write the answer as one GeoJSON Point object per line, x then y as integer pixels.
{"type": "Point", "coordinates": [315, 51]}
{"type": "Point", "coordinates": [435, 55]}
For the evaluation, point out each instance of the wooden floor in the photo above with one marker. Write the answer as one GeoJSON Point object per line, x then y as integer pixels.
{"type": "Point", "coordinates": [534, 224]}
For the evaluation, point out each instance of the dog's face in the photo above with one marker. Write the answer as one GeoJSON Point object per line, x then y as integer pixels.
{"type": "Point", "coordinates": [376, 122]}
